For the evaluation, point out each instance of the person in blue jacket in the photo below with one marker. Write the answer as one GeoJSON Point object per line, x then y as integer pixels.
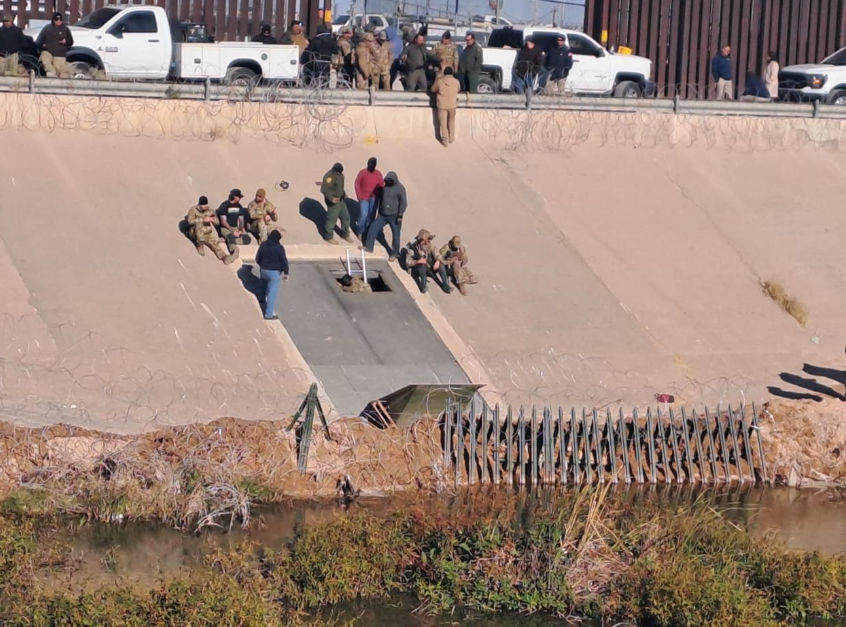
{"type": "Point", "coordinates": [721, 70]}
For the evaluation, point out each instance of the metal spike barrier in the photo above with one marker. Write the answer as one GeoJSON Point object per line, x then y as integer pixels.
{"type": "Point", "coordinates": [623, 449]}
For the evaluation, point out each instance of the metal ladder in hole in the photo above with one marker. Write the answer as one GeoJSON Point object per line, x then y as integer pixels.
{"type": "Point", "coordinates": [361, 266]}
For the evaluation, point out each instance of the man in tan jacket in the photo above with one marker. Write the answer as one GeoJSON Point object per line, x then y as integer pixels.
{"type": "Point", "coordinates": [446, 88]}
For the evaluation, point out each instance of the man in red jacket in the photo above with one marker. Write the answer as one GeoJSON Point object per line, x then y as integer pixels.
{"type": "Point", "coordinates": [367, 185]}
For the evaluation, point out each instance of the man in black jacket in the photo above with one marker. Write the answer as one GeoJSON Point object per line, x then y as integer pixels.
{"type": "Point", "coordinates": [317, 58]}
{"type": "Point", "coordinates": [273, 262]}
{"type": "Point", "coordinates": [53, 44]}
{"type": "Point", "coordinates": [415, 58]}
{"type": "Point", "coordinates": [392, 202]}
{"type": "Point", "coordinates": [470, 64]}
{"type": "Point", "coordinates": [527, 67]}
{"type": "Point", "coordinates": [559, 61]}
{"type": "Point", "coordinates": [12, 42]}
{"type": "Point", "coordinates": [265, 37]}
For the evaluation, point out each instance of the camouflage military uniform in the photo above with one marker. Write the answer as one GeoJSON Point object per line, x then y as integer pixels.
{"type": "Point", "coordinates": [454, 256]}
{"type": "Point", "coordinates": [347, 60]}
{"type": "Point", "coordinates": [203, 233]}
{"type": "Point", "coordinates": [447, 52]}
{"type": "Point", "coordinates": [367, 62]}
{"type": "Point", "coordinates": [424, 260]}
{"type": "Point", "coordinates": [258, 225]}
{"type": "Point", "coordinates": [386, 60]}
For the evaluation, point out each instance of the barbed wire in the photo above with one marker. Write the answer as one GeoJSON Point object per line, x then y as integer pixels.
{"type": "Point", "coordinates": [326, 118]}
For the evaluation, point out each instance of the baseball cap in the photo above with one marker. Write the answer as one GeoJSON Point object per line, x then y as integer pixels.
{"type": "Point", "coordinates": [57, 16]}
{"type": "Point", "coordinates": [236, 192]}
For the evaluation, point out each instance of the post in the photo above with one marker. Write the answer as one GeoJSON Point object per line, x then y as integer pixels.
{"type": "Point", "coordinates": [496, 445]}
{"type": "Point", "coordinates": [637, 445]}
{"type": "Point", "coordinates": [349, 265]}
{"type": "Point", "coordinates": [363, 266]}
{"type": "Point", "coordinates": [574, 439]}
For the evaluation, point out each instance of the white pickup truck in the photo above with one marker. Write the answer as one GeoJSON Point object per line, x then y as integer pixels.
{"type": "Point", "coordinates": [595, 70]}
{"type": "Point", "coordinates": [139, 42]}
{"type": "Point", "coordinates": [825, 81]}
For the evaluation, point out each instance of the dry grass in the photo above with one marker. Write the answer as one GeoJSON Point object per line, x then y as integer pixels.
{"type": "Point", "coordinates": [785, 301]}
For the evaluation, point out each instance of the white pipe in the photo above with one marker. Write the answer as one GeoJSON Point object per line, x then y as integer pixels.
{"type": "Point", "coordinates": [349, 266]}
{"type": "Point", "coordinates": [363, 266]}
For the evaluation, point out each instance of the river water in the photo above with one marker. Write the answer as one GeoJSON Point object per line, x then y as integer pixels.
{"type": "Point", "coordinates": [807, 519]}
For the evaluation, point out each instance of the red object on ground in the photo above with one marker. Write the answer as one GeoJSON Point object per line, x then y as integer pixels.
{"type": "Point", "coordinates": [665, 398]}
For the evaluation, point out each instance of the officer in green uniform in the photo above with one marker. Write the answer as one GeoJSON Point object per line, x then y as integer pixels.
{"type": "Point", "coordinates": [333, 192]}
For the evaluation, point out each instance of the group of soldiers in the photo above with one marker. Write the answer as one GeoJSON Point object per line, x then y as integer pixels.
{"type": "Point", "coordinates": [230, 224]}
{"type": "Point", "coordinates": [449, 262]}
{"type": "Point", "coordinates": [370, 61]}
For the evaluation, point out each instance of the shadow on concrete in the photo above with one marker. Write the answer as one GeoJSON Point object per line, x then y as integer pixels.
{"type": "Point", "coordinates": [314, 211]}
{"type": "Point", "coordinates": [253, 284]}
{"type": "Point", "coordinates": [816, 391]}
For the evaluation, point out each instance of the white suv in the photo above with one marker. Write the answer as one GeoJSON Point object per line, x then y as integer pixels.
{"type": "Point", "coordinates": [824, 81]}
{"type": "Point", "coordinates": [595, 70]}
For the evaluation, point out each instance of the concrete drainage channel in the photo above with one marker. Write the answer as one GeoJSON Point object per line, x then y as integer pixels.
{"type": "Point", "coordinates": [360, 346]}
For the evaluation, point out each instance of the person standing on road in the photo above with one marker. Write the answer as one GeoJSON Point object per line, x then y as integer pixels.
{"type": "Point", "coordinates": [53, 44]}
{"type": "Point", "coordinates": [295, 36]}
{"type": "Point", "coordinates": [392, 204]}
{"type": "Point", "coordinates": [447, 88]}
{"type": "Point", "coordinates": [771, 74]}
{"type": "Point", "coordinates": [447, 54]}
{"type": "Point", "coordinates": [367, 58]}
{"type": "Point", "coordinates": [721, 70]}
{"type": "Point", "coordinates": [415, 58]}
{"type": "Point", "coordinates": [368, 182]}
{"type": "Point", "coordinates": [346, 54]}
{"type": "Point", "coordinates": [470, 65]}
{"type": "Point", "coordinates": [559, 61]}
{"type": "Point", "coordinates": [265, 37]}
{"type": "Point", "coordinates": [273, 264]}
{"type": "Point", "coordinates": [333, 192]}
{"type": "Point", "coordinates": [12, 41]}
{"type": "Point", "coordinates": [527, 67]}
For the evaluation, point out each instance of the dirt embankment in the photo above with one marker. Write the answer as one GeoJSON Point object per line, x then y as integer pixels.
{"type": "Point", "coordinates": [196, 464]}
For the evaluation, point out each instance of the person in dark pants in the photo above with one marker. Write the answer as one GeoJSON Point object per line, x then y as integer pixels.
{"type": "Point", "coordinates": [415, 58]}
{"type": "Point", "coordinates": [470, 65]}
{"type": "Point", "coordinates": [233, 219]}
{"type": "Point", "coordinates": [527, 67]}
{"type": "Point", "coordinates": [756, 89]}
{"type": "Point", "coordinates": [424, 260]}
{"type": "Point", "coordinates": [273, 262]}
{"type": "Point", "coordinates": [333, 192]}
{"type": "Point", "coordinates": [392, 202]}
{"type": "Point", "coordinates": [559, 61]}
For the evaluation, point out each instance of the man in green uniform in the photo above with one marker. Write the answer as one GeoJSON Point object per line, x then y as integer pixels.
{"type": "Point", "coordinates": [201, 230]}
{"type": "Point", "coordinates": [333, 192]}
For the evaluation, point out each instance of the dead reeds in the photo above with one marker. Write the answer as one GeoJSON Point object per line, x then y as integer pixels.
{"type": "Point", "coordinates": [787, 303]}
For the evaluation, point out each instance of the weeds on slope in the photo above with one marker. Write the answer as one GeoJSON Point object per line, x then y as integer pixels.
{"type": "Point", "coordinates": [588, 553]}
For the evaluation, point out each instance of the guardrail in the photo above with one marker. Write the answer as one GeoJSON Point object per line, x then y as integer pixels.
{"type": "Point", "coordinates": [300, 95]}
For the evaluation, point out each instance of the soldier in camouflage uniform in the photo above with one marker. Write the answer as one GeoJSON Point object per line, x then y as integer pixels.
{"type": "Point", "coordinates": [262, 212]}
{"type": "Point", "coordinates": [386, 60]}
{"type": "Point", "coordinates": [367, 59]}
{"type": "Point", "coordinates": [447, 52]}
{"type": "Point", "coordinates": [347, 61]}
{"type": "Point", "coordinates": [455, 258]}
{"type": "Point", "coordinates": [201, 230]}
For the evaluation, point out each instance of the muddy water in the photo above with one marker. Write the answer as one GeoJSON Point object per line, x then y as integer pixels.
{"type": "Point", "coordinates": [804, 520]}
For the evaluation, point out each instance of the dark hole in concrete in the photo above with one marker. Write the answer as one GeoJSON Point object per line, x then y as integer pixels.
{"type": "Point", "coordinates": [374, 279]}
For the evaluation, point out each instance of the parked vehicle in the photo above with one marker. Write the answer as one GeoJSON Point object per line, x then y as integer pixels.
{"type": "Point", "coordinates": [825, 81]}
{"type": "Point", "coordinates": [376, 19]}
{"type": "Point", "coordinates": [595, 70]}
{"type": "Point", "coordinates": [140, 42]}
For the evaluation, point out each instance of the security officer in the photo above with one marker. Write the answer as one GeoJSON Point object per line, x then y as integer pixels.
{"type": "Point", "coordinates": [333, 192]}
{"type": "Point", "coordinates": [346, 65]}
{"type": "Point", "coordinates": [262, 212]}
{"type": "Point", "coordinates": [367, 61]}
{"type": "Point", "coordinates": [386, 60]}
{"type": "Point", "coordinates": [447, 53]}
{"type": "Point", "coordinates": [201, 230]}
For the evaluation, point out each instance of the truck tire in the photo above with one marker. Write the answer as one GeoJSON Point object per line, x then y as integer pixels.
{"type": "Point", "coordinates": [487, 85]}
{"type": "Point", "coordinates": [837, 97]}
{"type": "Point", "coordinates": [82, 70]}
{"type": "Point", "coordinates": [627, 89]}
{"type": "Point", "coordinates": [241, 77]}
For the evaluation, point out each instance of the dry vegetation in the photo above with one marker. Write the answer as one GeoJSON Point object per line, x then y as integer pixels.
{"type": "Point", "coordinates": [787, 303]}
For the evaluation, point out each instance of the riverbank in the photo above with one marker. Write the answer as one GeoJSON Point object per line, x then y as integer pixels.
{"type": "Point", "coordinates": [211, 474]}
{"type": "Point", "coordinates": [585, 554]}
